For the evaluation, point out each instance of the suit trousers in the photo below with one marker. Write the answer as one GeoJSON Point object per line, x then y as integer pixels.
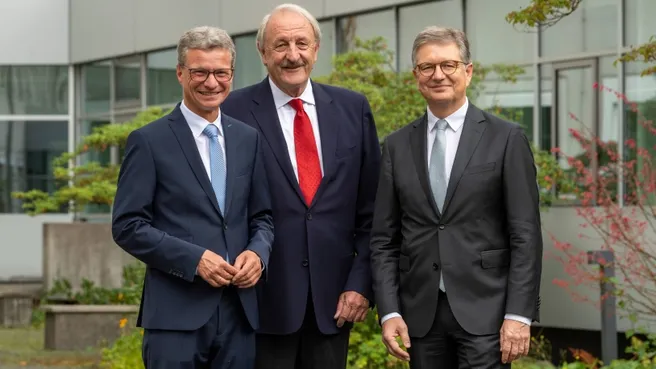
{"type": "Point", "coordinates": [448, 346]}
{"type": "Point", "coordinates": [226, 341]}
{"type": "Point", "coordinates": [306, 349]}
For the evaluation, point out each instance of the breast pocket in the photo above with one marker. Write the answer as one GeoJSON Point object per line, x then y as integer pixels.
{"type": "Point", "coordinates": [480, 168]}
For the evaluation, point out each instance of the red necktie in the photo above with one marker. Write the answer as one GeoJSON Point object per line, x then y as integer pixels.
{"type": "Point", "coordinates": [307, 157]}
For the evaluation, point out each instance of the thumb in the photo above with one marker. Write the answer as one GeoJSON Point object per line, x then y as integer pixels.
{"type": "Point", "coordinates": [339, 309]}
{"type": "Point", "coordinates": [405, 338]}
{"type": "Point", "coordinates": [239, 262]}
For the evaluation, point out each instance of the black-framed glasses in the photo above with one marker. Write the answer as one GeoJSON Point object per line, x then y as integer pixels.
{"type": "Point", "coordinates": [448, 67]}
{"type": "Point", "coordinates": [201, 75]}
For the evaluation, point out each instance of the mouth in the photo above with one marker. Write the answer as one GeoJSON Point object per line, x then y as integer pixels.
{"type": "Point", "coordinates": [293, 68]}
{"type": "Point", "coordinates": [209, 93]}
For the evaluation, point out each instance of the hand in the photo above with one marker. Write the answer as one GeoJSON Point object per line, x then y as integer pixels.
{"type": "Point", "coordinates": [351, 307]}
{"type": "Point", "coordinates": [249, 266]}
{"type": "Point", "coordinates": [515, 340]}
{"type": "Point", "coordinates": [393, 328]}
{"type": "Point", "coordinates": [215, 270]}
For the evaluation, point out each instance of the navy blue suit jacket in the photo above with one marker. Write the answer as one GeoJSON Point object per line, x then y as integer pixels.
{"type": "Point", "coordinates": [166, 215]}
{"type": "Point", "coordinates": [325, 245]}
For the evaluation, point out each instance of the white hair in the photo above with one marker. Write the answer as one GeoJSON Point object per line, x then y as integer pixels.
{"type": "Point", "coordinates": [259, 40]}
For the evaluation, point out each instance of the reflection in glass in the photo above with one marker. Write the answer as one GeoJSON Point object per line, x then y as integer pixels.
{"type": "Point", "coordinates": [248, 65]}
{"type": "Point", "coordinates": [163, 85]}
{"type": "Point", "coordinates": [96, 87]}
{"type": "Point", "coordinates": [640, 118]}
{"type": "Point", "coordinates": [127, 75]}
{"type": "Point", "coordinates": [33, 90]}
{"type": "Point", "coordinates": [639, 22]}
{"type": "Point", "coordinates": [27, 150]}
{"type": "Point", "coordinates": [101, 157]}
{"type": "Point", "coordinates": [366, 27]}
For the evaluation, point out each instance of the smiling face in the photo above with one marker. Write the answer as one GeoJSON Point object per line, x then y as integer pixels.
{"type": "Point", "coordinates": [206, 79]}
{"type": "Point", "coordinates": [442, 77]}
{"type": "Point", "coordinates": [289, 51]}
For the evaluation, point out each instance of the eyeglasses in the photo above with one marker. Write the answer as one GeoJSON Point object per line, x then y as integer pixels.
{"type": "Point", "coordinates": [448, 67]}
{"type": "Point", "coordinates": [201, 75]}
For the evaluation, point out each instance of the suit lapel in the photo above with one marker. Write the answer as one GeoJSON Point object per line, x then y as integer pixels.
{"type": "Point", "coordinates": [232, 143]}
{"type": "Point", "coordinates": [265, 114]}
{"type": "Point", "coordinates": [418, 138]}
{"type": "Point", "coordinates": [186, 140]}
{"type": "Point", "coordinates": [472, 131]}
{"type": "Point", "coordinates": [329, 131]}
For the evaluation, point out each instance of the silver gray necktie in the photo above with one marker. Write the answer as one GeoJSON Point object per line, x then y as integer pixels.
{"type": "Point", "coordinates": [437, 171]}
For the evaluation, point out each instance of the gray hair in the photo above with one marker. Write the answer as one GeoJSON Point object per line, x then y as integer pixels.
{"type": "Point", "coordinates": [205, 38]}
{"type": "Point", "coordinates": [259, 40]}
{"type": "Point", "coordinates": [442, 35]}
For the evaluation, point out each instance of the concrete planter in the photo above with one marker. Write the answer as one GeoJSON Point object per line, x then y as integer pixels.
{"type": "Point", "coordinates": [78, 327]}
{"type": "Point", "coordinates": [77, 251]}
{"type": "Point", "coordinates": [16, 310]}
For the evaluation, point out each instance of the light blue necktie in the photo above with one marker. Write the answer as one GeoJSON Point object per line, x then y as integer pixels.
{"type": "Point", "coordinates": [217, 165]}
{"type": "Point", "coordinates": [437, 171]}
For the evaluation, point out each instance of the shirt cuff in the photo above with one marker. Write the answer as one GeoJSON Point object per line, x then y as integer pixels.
{"type": "Point", "coordinates": [389, 316]}
{"type": "Point", "coordinates": [518, 318]}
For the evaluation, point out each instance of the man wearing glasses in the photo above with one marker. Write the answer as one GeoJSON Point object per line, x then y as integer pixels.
{"type": "Point", "coordinates": [456, 245]}
{"type": "Point", "coordinates": [193, 204]}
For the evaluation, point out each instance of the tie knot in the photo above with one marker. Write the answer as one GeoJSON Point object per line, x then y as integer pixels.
{"type": "Point", "coordinates": [441, 124]}
{"type": "Point", "coordinates": [297, 104]}
{"type": "Point", "coordinates": [211, 131]}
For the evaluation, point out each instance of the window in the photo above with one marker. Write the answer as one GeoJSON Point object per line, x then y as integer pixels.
{"type": "Point", "coordinates": [248, 64]}
{"type": "Point", "coordinates": [367, 26]}
{"type": "Point", "coordinates": [33, 90]}
{"type": "Point", "coordinates": [639, 22]}
{"type": "Point", "coordinates": [492, 39]}
{"type": "Point", "coordinates": [642, 92]}
{"type": "Point", "coordinates": [27, 150]}
{"type": "Point", "coordinates": [591, 27]}
{"type": "Point", "coordinates": [127, 76]}
{"type": "Point", "coordinates": [413, 19]}
{"type": "Point", "coordinates": [163, 85]}
{"type": "Point", "coordinates": [96, 94]}
{"type": "Point", "coordinates": [324, 64]}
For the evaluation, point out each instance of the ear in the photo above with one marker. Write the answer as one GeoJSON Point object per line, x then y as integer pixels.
{"type": "Point", "coordinates": [469, 72]}
{"type": "Point", "coordinates": [261, 51]}
{"type": "Point", "coordinates": [179, 72]}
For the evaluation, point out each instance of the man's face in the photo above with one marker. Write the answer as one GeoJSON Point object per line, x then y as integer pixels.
{"type": "Point", "coordinates": [206, 79]}
{"type": "Point", "coordinates": [441, 75]}
{"type": "Point", "coordinates": [290, 50]}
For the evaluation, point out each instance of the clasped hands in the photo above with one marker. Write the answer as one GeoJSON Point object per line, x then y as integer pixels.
{"type": "Point", "coordinates": [218, 273]}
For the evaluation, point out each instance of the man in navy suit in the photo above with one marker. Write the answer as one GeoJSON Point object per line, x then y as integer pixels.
{"type": "Point", "coordinates": [193, 204]}
{"type": "Point", "coordinates": [322, 158]}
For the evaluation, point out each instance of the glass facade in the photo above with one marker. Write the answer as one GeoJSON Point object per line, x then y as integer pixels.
{"type": "Point", "coordinates": [561, 64]}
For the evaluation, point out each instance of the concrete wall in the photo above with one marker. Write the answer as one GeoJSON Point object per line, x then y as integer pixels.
{"type": "Point", "coordinates": [34, 32]}
{"type": "Point", "coordinates": [21, 240]}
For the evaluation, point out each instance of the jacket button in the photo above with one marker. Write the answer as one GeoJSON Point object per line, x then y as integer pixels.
{"type": "Point", "coordinates": [435, 267]}
{"type": "Point", "coordinates": [305, 263]}
{"type": "Point", "coordinates": [309, 216]}
{"type": "Point", "coordinates": [225, 227]}
{"type": "Point", "coordinates": [441, 227]}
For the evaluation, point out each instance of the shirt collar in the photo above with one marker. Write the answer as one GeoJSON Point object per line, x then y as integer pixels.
{"type": "Point", "coordinates": [198, 123]}
{"type": "Point", "coordinates": [455, 120]}
{"type": "Point", "coordinates": [281, 99]}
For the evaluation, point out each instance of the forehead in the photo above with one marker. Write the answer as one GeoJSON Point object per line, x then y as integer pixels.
{"type": "Point", "coordinates": [210, 59]}
{"type": "Point", "coordinates": [288, 25]}
{"type": "Point", "coordinates": [437, 52]}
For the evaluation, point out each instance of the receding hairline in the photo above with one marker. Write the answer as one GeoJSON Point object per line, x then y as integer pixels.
{"type": "Point", "coordinates": [288, 8]}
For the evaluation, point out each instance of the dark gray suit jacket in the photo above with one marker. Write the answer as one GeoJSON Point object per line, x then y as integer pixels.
{"type": "Point", "coordinates": [487, 242]}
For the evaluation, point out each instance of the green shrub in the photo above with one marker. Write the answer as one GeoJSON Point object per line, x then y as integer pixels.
{"type": "Point", "coordinates": [125, 353]}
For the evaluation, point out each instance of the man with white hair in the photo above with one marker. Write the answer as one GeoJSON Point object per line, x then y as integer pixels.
{"type": "Point", "coordinates": [322, 159]}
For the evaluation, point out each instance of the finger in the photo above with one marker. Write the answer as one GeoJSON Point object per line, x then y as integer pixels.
{"type": "Point", "coordinates": [340, 306]}
{"type": "Point", "coordinates": [223, 273]}
{"type": "Point", "coordinates": [249, 279]}
{"type": "Point", "coordinates": [505, 350]}
{"type": "Point", "coordinates": [527, 346]}
{"type": "Point", "coordinates": [346, 312]}
{"type": "Point", "coordinates": [405, 338]}
{"type": "Point", "coordinates": [514, 350]}
{"type": "Point", "coordinates": [353, 312]}
{"type": "Point", "coordinates": [361, 316]}
{"type": "Point", "coordinates": [220, 280]}
{"type": "Point", "coordinates": [240, 261]}
{"type": "Point", "coordinates": [396, 350]}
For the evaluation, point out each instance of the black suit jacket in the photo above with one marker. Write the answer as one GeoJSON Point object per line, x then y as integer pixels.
{"type": "Point", "coordinates": [323, 247]}
{"type": "Point", "coordinates": [487, 242]}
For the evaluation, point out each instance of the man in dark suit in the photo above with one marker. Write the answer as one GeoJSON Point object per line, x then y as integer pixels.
{"type": "Point", "coordinates": [193, 204]}
{"type": "Point", "coordinates": [322, 158]}
{"type": "Point", "coordinates": [456, 245]}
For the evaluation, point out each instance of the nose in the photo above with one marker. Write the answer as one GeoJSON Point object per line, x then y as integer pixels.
{"type": "Point", "coordinates": [211, 82]}
{"type": "Point", "coordinates": [438, 75]}
{"type": "Point", "coordinates": [293, 54]}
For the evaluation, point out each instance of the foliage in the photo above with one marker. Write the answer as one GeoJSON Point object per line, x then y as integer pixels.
{"type": "Point", "coordinates": [90, 183]}
{"type": "Point", "coordinates": [125, 352]}
{"type": "Point", "coordinates": [625, 228]}
{"type": "Point", "coordinates": [540, 14]}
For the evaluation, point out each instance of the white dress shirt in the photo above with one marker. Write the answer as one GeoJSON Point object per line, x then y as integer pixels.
{"type": "Point", "coordinates": [286, 114]}
{"type": "Point", "coordinates": [197, 125]}
{"type": "Point", "coordinates": [455, 121]}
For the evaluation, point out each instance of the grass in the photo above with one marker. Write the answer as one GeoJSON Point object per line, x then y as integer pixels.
{"type": "Point", "coordinates": [24, 347]}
